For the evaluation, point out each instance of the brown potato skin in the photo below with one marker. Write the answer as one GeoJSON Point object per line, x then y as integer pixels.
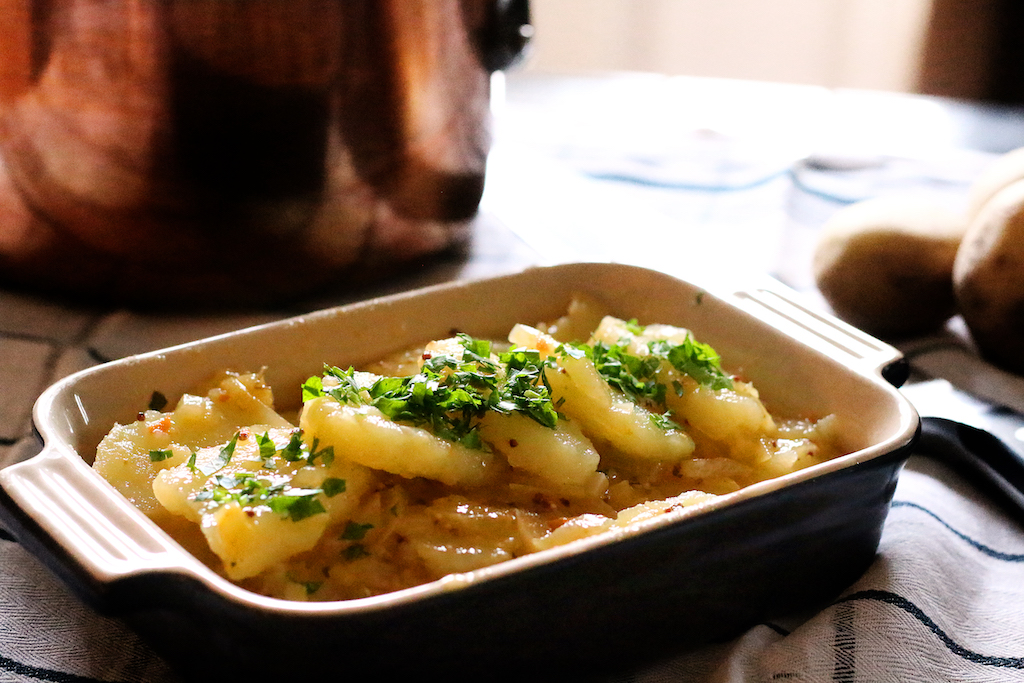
{"type": "Point", "coordinates": [1003, 171]}
{"type": "Point", "coordinates": [885, 265]}
{"type": "Point", "coordinates": [988, 278]}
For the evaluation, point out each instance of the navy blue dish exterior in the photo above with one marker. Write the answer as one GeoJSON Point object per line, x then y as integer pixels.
{"type": "Point", "coordinates": [706, 578]}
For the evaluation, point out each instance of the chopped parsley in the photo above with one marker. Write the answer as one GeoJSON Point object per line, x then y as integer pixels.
{"type": "Point", "coordinates": [268, 449]}
{"type": "Point", "coordinates": [297, 504]}
{"type": "Point", "coordinates": [634, 327]}
{"type": "Point", "coordinates": [249, 490]}
{"type": "Point", "coordinates": [696, 359]}
{"type": "Point", "coordinates": [638, 376]}
{"type": "Point", "coordinates": [525, 389]}
{"type": "Point", "coordinates": [664, 420]}
{"type": "Point", "coordinates": [242, 487]}
{"type": "Point", "coordinates": [635, 376]}
{"type": "Point", "coordinates": [355, 552]}
{"type": "Point", "coordinates": [325, 454]}
{"type": "Point", "coordinates": [449, 395]}
{"type": "Point", "coordinates": [310, 586]}
{"type": "Point", "coordinates": [312, 388]}
{"type": "Point", "coordinates": [355, 531]}
{"type": "Point", "coordinates": [160, 455]}
{"type": "Point", "coordinates": [222, 459]}
{"type": "Point", "coordinates": [332, 486]}
{"type": "Point", "coordinates": [293, 451]}
{"type": "Point", "coordinates": [347, 389]}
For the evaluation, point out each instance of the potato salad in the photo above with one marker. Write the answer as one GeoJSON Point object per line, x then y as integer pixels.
{"type": "Point", "coordinates": [453, 456]}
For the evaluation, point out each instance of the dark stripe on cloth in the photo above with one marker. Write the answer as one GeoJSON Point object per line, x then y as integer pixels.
{"type": "Point", "coordinates": [916, 612]}
{"type": "Point", "coordinates": [1006, 557]}
{"type": "Point", "coordinates": [844, 645]}
{"type": "Point", "coordinates": [7, 664]}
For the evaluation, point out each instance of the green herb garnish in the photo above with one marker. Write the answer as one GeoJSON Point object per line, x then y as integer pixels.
{"type": "Point", "coordinates": [293, 451]}
{"type": "Point", "coordinates": [310, 586]}
{"type": "Point", "coordinates": [634, 327]}
{"type": "Point", "coordinates": [664, 420]}
{"type": "Point", "coordinates": [325, 454]}
{"type": "Point", "coordinates": [160, 455]}
{"type": "Point", "coordinates": [635, 376]}
{"type": "Point", "coordinates": [449, 395]}
{"type": "Point", "coordinates": [312, 388]}
{"type": "Point", "coordinates": [297, 504]}
{"type": "Point", "coordinates": [268, 449]}
{"type": "Point", "coordinates": [355, 531]}
{"type": "Point", "coordinates": [223, 457]}
{"type": "Point", "coordinates": [525, 389]}
{"type": "Point", "coordinates": [638, 376]}
{"type": "Point", "coordinates": [355, 552]}
{"type": "Point", "coordinates": [332, 486]}
{"type": "Point", "coordinates": [696, 359]}
{"type": "Point", "coordinates": [346, 391]}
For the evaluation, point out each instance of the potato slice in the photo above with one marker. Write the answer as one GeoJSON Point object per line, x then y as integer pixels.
{"type": "Point", "coordinates": [726, 415]}
{"type": "Point", "coordinates": [604, 414]}
{"type": "Point", "coordinates": [614, 330]}
{"type": "Point", "coordinates": [563, 457]}
{"type": "Point", "coordinates": [124, 456]}
{"type": "Point", "coordinates": [364, 435]}
{"type": "Point", "coordinates": [123, 459]}
{"type": "Point", "coordinates": [250, 536]}
{"type": "Point", "coordinates": [252, 539]}
{"type": "Point", "coordinates": [607, 416]}
{"type": "Point", "coordinates": [587, 525]}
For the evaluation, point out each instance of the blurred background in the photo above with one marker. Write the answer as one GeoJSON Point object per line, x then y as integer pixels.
{"type": "Point", "coordinates": [967, 49]}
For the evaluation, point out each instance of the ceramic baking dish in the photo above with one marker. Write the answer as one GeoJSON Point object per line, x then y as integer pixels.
{"type": "Point", "coordinates": [771, 549]}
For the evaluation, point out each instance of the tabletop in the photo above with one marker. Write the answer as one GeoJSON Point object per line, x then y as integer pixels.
{"type": "Point", "coordinates": [711, 180]}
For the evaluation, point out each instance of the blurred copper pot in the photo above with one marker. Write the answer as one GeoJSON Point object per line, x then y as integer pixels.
{"type": "Point", "coordinates": [225, 151]}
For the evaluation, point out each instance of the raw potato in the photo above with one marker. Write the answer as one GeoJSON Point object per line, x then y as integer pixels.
{"type": "Point", "coordinates": [1005, 170]}
{"type": "Point", "coordinates": [988, 278]}
{"type": "Point", "coordinates": [886, 264]}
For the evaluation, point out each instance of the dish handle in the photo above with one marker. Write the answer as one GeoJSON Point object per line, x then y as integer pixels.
{"type": "Point", "coordinates": [89, 535]}
{"type": "Point", "coordinates": [825, 333]}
